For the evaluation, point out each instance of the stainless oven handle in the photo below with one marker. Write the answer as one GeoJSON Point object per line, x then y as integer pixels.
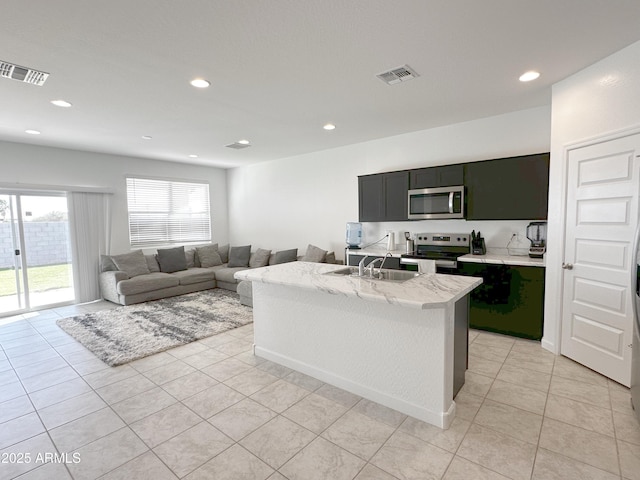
{"type": "Point", "coordinates": [451, 202]}
{"type": "Point", "coordinates": [409, 261]}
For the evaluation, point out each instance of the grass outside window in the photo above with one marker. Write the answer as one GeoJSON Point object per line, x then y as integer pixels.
{"type": "Point", "coordinates": [41, 279]}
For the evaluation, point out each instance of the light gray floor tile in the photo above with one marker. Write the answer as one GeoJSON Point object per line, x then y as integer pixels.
{"type": "Point", "coordinates": [525, 378]}
{"type": "Point", "coordinates": [48, 379]}
{"type": "Point", "coordinates": [213, 400]}
{"type": "Point", "coordinates": [165, 424]}
{"type": "Point", "coordinates": [462, 469]}
{"type": "Point", "coordinates": [241, 419]}
{"type": "Point", "coordinates": [15, 408]}
{"type": "Point", "coordinates": [233, 464]}
{"type": "Point", "coordinates": [358, 434]}
{"type": "Point", "coordinates": [629, 460]}
{"type": "Point", "coordinates": [494, 340]}
{"type": "Point", "coordinates": [123, 445]}
{"type": "Point", "coordinates": [279, 371]}
{"type": "Point", "coordinates": [448, 439]}
{"type": "Point", "coordinates": [143, 404]}
{"type": "Point", "coordinates": [48, 471]}
{"type": "Point", "coordinates": [152, 361]}
{"type": "Point", "coordinates": [497, 354]}
{"type": "Point", "coordinates": [127, 388]}
{"type": "Point", "coordinates": [315, 413]}
{"type": "Point", "coordinates": [627, 428]}
{"type": "Point", "coordinates": [371, 472]}
{"type": "Point", "coordinates": [467, 405]}
{"type": "Point", "coordinates": [482, 366]}
{"type": "Point", "coordinates": [518, 396]}
{"type": "Point", "coordinates": [588, 447]}
{"type": "Point", "coordinates": [187, 350]}
{"type": "Point", "coordinates": [86, 429]}
{"type": "Point", "coordinates": [510, 420]}
{"type": "Point", "coordinates": [304, 381]}
{"type": "Point", "coordinates": [167, 373]}
{"type": "Point", "coordinates": [226, 369]}
{"type": "Point", "coordinates": [147, 465]}
{"type": "Point", "coordinates": [407, 457]}
{"type": "Point", "coordinates": [109, 376]}
{"type": "Point", "coordinates": [498, 452]}
{"type": "Point", "coordinates": [580, 414]}
{"type": "Point", "coordinates": [320, 460]}
{"type": "Point", "coordinates": [20, 429]}
{"type": "Point", "coordinates": [40, 367]}
{"type": "Point", "coordinates": [477, 384]}
{"type": "Point", "coordinates": [379, 412]}
{"type": "Point", "coordinates": [567, 368]}
{"type": "Point", "coordinates": [338, 395]}
{"type": "Point", "coordinates": [250, 381]}
{"type": "Point", "coordinates": [581, 391]}
{"type": "Point", "coordinates": [539, 361]}
{"type": "Point", "coordinates": [71, 409]}
{"type": "Point", "coordinates": [277, 441]}
{"type": "Point", "coordinates": [189, 385]}
{"type": "Point", "coordinates": [280, 395]}
{"type": "Point", "coordinates": [11, 390]}
{"type": "Point", "coordinates": [205, 358]}
{"type": "Point", "coordinates": [192, 448]}
{"type": "Point", "coordinates": [553, 466]}
{"type": "Point", "coordinates": [32, 447]}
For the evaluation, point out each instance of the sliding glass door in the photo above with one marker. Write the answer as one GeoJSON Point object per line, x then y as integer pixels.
{"type": "Point", "coordinates": [35, 252]}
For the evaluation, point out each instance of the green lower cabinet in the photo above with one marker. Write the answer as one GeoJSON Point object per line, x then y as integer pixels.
{"type": "Point", "coordinates": [509, 301]}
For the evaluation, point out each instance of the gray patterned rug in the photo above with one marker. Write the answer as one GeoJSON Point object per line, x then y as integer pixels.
{"type": "Point", "coordinates": [124, 334]}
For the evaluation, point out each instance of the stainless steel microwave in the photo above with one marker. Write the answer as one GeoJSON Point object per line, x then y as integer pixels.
{"type": "Point", "coordinates": [434, 203]}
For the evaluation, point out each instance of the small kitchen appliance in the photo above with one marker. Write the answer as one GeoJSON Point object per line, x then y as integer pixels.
{"type": "Point", "coordinates": [444, 248]}
{"type": "Point", "coordinates": [354, 234]}
{"type": "Point", "coordinates": [537, 234]}
{"type": "Point", "coordinates": [409, 242]}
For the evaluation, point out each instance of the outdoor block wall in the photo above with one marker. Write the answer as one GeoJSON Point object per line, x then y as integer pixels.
{"type": "Point", "coordinates": [47, 243]}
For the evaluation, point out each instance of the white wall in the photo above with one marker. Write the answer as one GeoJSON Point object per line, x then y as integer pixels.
{"type": "Point", "coordinates": [28, 164]}
{"type": "Point", "coordinates": [600, 100]}
{"type": "Point", "coordinates": [309, 198]}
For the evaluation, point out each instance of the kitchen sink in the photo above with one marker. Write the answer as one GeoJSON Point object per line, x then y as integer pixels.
{"type": "Point", "coordinates": [384, 274]}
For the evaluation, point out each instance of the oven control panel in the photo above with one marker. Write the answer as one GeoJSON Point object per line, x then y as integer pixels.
{"type": "Point", "coordinates": [443, 239]}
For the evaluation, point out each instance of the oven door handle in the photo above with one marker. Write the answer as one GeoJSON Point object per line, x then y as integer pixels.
{"type": "Point", "coordinates": [451, 194]}
{"type": "Point", "coordinates": [409, 261]}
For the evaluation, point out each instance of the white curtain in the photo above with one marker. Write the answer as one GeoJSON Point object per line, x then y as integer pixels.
{"type": "Point", "coordinates": [89, 225]}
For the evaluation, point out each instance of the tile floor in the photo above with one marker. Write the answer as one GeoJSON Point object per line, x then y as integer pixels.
{"type": "Point", "coordinates": [211, 410]}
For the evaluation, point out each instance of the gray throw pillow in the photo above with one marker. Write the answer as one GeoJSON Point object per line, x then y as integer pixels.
{"type": "Point", "coordinates": [239, 256]}
{"type": "Point", "coordinates": [314, 254]}
{"type": "Point", "coordinates": [152, 263]}
{"type": "Point", "coordinates": [260, 258]}
{"type": "Point", "coordinates": [106, 264]}
{"type": "Point", "coordinates": [190, 257]}
{"type": "Point", "coordinates": [209, 256]}
{"type": "Point", "coordinates": [286, 256]}
{"type": "Point", "coordinates": [133, 264]}
{"type": "Point", "coordinates": [331, 257]}
{"type": "Point", "coordinates": [172, 259]}
{"type": "Point", "coordinates": [224, 253]}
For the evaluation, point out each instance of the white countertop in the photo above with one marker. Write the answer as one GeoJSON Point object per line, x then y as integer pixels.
{"type": "Point", "coordinates": [422, 292]}
{"type": "Point", "coordinates": [497, 259]}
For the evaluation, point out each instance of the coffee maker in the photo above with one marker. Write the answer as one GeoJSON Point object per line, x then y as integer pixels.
{"type": "Point", "coordinates": [537, 234]}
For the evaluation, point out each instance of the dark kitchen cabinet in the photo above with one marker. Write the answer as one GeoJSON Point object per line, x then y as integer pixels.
{"type": "Point", "coordinates": [383, 197]}
{"type": "Point", "coordinates": [444, 176]}
{"type": "Point", "coordinates": [392, 263]}
{"type": "Point", "coordinates": [509, 301]}
{"type": "Point", "coordinates": [515, 188]}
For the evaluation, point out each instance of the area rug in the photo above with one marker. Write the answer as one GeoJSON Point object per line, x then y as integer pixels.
{"type": "Point", "coordinates": [128, 333]}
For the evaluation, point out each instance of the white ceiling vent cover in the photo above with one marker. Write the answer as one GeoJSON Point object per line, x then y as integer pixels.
{"type": "Point", "coordinates": [22, 74]}
{"type": "Point", "coordinates": [398, 75]}
{"type": "Point", "coordinates": [238, 145]}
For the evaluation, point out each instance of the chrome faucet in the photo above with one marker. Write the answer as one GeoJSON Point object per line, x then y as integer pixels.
{"type": "Point", "coordinates": [371, 265]}
{"type": "Point", "coordinates": [361, 266]}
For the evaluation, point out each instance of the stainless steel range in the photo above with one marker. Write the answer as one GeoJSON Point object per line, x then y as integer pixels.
{"type": "Point", "coordinates": [444, 248]}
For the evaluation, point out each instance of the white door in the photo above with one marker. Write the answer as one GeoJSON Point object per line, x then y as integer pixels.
{"type": "Point", "coordinates": [602, 215]}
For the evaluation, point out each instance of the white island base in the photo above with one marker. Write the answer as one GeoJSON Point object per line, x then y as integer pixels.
{"type": "Point", "coordinates": [400, 357]}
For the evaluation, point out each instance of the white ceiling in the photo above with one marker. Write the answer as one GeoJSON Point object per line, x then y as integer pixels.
{"type": "Point", "coordinates": [281, 69]}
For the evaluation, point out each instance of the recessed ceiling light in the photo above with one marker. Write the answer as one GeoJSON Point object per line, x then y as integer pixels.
{"type": "Point", "coordinates": [243, 142]}
{"type": "Point", "coordinates": [147, 137]}
{"type": "Point", "coordinates": [200, 83]}
{"type": "Point", "coordinates": [61, 103]}
{"type": "Point", "coordinates": [32, 132]}
{"type": "Point", "coordinates": [528, 76]}
{"type": "Point", "coordinates": [193, 156]}
{"type": "Point", "coordinates": [329, 126]}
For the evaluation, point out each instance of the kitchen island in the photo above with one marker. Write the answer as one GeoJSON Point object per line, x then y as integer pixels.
{"type": "Point", "coordinates": [394, 343]}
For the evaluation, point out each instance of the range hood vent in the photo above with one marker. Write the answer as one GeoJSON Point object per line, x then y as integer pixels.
{"type": "Point", "coordinates": [238, 146]}
{"type": "Point", "coordinates": [22, 74]}
{"type": "Point", "coordinates": [398, 75]}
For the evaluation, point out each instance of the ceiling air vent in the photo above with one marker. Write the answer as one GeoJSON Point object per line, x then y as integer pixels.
{"type": "Point", "coordinates": [22, 74]}
{"type": "Point", "coordinates": [398, 75]}
{"type": "Point", "coordinates": [238, 145]}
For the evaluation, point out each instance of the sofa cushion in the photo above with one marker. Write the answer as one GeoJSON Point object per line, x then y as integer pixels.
{"type": "Point", "coordinates": [194, 275]}
{"type": "Point", "coordinates": [106, 264]}
{"type": "Point", "coordinates": [190, 257]}
{"type": "Point", "coordinates": [331, 257]}
{"type": "Point", "coordinates": [314, 254]}
{"type": "Point", "coordinates": [260, 258]}
{"type": "Point", "coordinates": [133, 263]}
{"type": "Point", "coordinates": [224, 253]}
{"type": "Point", "coordinates": [239, 256]}
{"type": "Point", "coordinates": [227, 274]}
{"type": "Point", "coordinates": [208, 256]}
{"type": "Point", "coordinates": [172, 259]}
{"type": "Point", "coordinates": [285, 256]}
{"type": "Point", "coordinates": [152, 263]}
{"type": "Point", "coordinates": [147, 283]}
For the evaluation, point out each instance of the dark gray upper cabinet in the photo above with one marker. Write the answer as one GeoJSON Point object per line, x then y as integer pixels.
{"type": "Point", "coordinates": [514, 188]}
{"type": "Point", "coordinates": [383, 197]}
{"type": "Point", "coordinates": [444, 176]}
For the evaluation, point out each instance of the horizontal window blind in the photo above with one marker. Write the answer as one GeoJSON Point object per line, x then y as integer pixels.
{"type": "Point", "coordinates": [167, 212]}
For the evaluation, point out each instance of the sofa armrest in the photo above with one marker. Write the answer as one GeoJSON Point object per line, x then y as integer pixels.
{"type": "Point", "coordinates": [108, 284]}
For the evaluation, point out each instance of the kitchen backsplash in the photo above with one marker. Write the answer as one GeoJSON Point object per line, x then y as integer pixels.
{"type": "Point", "coordinates": [498, 234]}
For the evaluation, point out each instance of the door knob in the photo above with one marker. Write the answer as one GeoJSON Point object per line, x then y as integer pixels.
{"type": "Point", "coordinates": [567, 266]}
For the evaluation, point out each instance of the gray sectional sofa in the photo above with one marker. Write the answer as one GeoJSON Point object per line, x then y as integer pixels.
{"type": "Point", "coordinates": [137, 277]}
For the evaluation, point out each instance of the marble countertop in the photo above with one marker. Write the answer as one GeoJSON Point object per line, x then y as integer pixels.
{"type": "Point", "coordinates": [497, 259]}
{"type": "Point", "coordinates": [422, 292]}
{"type": "Point", "coordinates": [376, 251]}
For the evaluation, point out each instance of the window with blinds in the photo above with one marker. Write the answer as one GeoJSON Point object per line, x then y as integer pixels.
{"type": "Point", "coordinates": [165, 212]}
